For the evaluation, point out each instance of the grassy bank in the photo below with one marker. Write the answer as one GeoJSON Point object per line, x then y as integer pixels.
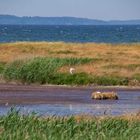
{"type": "Point", "coordinates": [46, 70]}
{"type": "Point", "coordinates": [14, 127]}
{"type": "Point", "coordinates": [49, 63]}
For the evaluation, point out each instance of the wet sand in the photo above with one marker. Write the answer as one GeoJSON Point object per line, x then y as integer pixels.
{"type": "Point", "coordinates": [23, 94]}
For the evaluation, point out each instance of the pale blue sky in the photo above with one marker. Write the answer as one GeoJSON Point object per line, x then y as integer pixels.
{"type": "Point", "coordinates": [95, 9]}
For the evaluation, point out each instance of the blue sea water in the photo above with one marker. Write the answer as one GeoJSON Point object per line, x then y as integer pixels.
{"type": "Point", "coordinates": [100, 34]}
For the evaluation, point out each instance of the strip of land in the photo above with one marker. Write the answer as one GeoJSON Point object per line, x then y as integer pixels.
{"type": "Point", "coordinates": [100, 64]}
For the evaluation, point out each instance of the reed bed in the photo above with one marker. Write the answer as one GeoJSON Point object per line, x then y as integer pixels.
{"type": "Point", "coordinates": [46, 71]}
{"type": "Point", "coordinates": [15, 126]}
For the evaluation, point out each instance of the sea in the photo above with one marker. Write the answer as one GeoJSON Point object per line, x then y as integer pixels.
{"type": "Point", "coordinates": [79, 34]}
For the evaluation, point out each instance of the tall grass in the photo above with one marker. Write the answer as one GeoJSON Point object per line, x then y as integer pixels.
{"type": "Point", "coordinates": [30, 127]}
{"type": "Point", "coordinates": [2, 65]}
{"type": "Point", "coordinates": [41, 70]}
{"type": "Point", "coordinates": [46, 71]}
{"type": "Point", "coordinates": [74, 79]}
{"type": "Point", "coordinates": [86, 79]}
{"type": "Point", "coordinates": [110, 80]}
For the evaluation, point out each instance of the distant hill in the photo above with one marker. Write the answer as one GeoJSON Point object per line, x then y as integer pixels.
{"type": "Point", "coordinates": [15, 20]}
{"type": "Point", "coordinates": [125, 22]}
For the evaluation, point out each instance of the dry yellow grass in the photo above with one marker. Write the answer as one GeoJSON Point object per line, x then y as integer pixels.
{"type": "Point", "coordinates": [128, 117]}
{"type": "Point", "coordinates": [118, 60]}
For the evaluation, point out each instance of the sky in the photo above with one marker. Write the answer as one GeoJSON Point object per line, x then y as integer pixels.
{"type": "Point", "coordinates": [94, 9]}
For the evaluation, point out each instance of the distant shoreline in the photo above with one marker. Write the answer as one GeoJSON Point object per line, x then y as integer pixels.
{"type": "Point", "coordinates": [36, 20]}
{"type": "Point", "coordinates": [8, 85]}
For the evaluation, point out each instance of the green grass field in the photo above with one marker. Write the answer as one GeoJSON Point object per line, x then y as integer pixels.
{"type": "Point", "coordinates": [14, 126]}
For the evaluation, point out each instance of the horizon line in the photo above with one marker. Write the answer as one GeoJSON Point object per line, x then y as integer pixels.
{"type": "Point", "coordinates": [70, 17]}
